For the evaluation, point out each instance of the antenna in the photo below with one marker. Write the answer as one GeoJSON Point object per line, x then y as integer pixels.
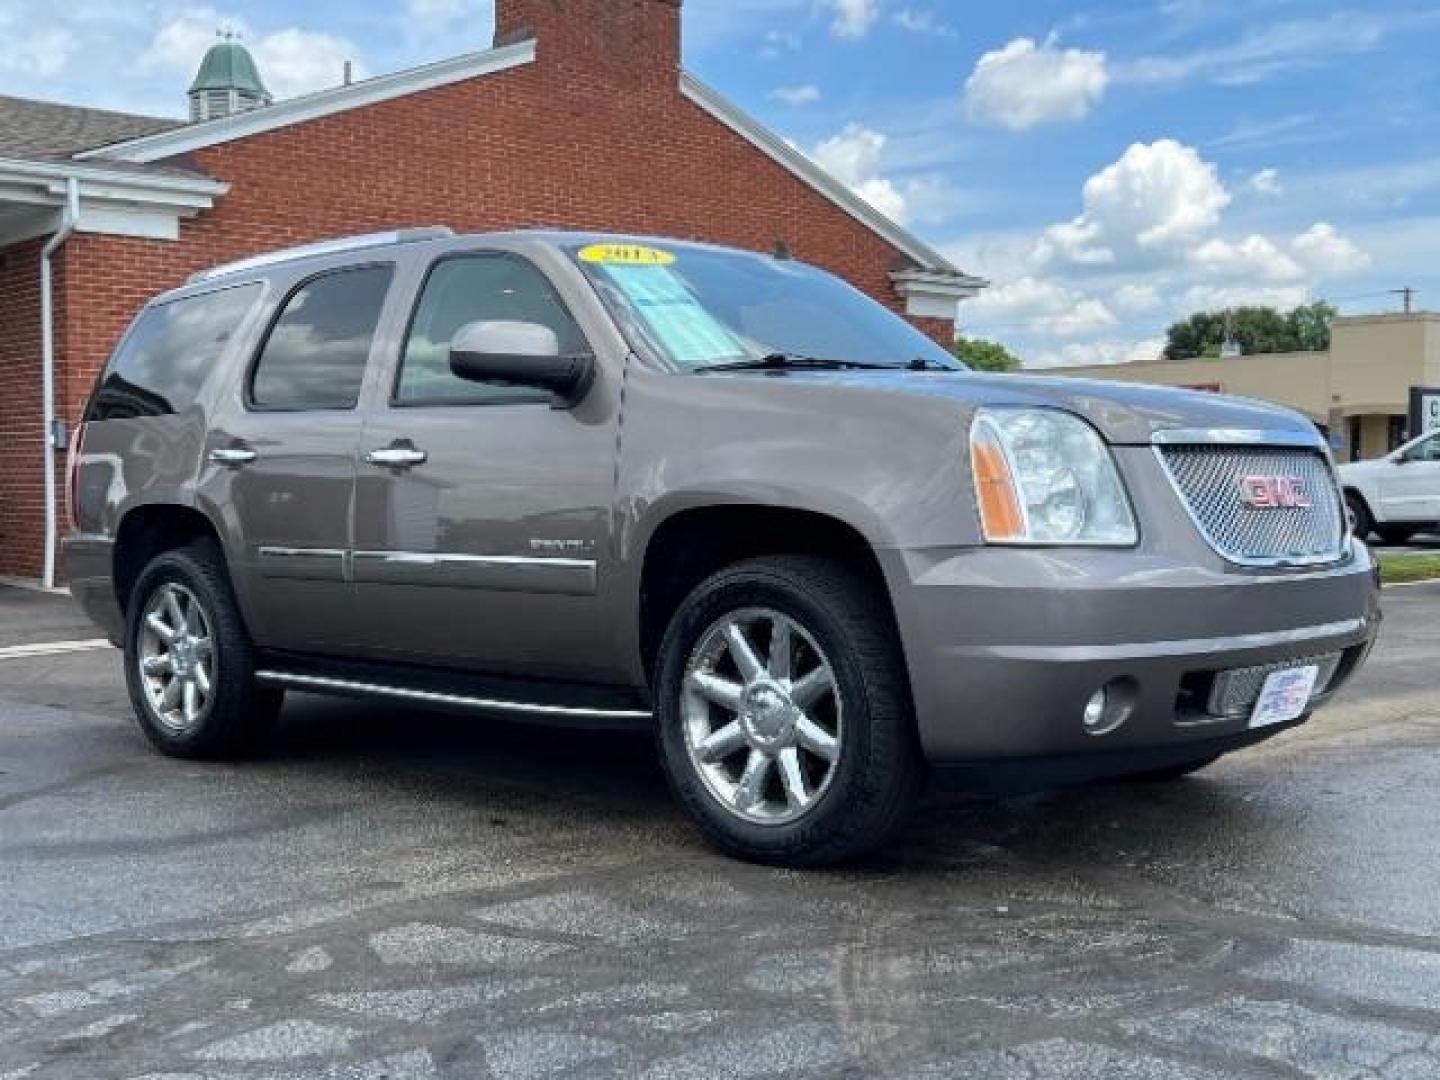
{"type": "Point", "coordinates": [1230, 347]}
{"type": "Point", "coordinates": [1408, 294]}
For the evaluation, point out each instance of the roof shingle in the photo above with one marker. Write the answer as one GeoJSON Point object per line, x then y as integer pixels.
{"type": "Point", "coordinates": [46, 131]}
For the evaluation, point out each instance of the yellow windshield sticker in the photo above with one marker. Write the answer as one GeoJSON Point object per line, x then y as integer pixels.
{"type": "Point", "coordinates": [626, 255]}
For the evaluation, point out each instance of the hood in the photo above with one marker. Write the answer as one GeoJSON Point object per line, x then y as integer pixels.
{"type": "Point", "coordinates": [1125, 413]}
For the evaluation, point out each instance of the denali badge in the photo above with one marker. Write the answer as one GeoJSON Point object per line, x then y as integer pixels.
{"type": "Point", "coordinates": [1273, 493]}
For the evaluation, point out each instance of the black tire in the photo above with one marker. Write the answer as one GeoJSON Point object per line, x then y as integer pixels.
{"type": "Point", "coordinates": [878, 770]}
{"type": "Point", "coordinates": [1172, 772]}
{"type": "Point", "coordinates": [240, 711]}
{"type": "Point", "coordinates": [1396, 534]}
{"type": "Point", "coordinates": [1361, 522]}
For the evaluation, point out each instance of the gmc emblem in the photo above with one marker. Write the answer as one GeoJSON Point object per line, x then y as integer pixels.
{"type": "Point", "coordinates": [1273, 493]}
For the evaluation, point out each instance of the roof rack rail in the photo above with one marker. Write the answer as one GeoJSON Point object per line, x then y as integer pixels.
{"type": "Point", "coordinates": [337, 246]}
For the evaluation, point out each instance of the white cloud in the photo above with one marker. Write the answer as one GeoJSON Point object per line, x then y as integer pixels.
{"type": "Point", "coordinates": [1218, 297]}
{"type": "Point", "coordinates": [1254, 257]}
{"type": "Point", "coordinates": [1155, 199]}
{"type": "Point", "coordinates": [853, 18]}
{"type": "Point", "coordinates": [1263, 52]}
{"type": "Point", "coordinates": [1040, 306]}
{"type": "Point", "coordinates": [919, 21]}
{"type": "Point", "coordinates": [429, 18]}
{"type": "Point", "coordinates": [777, 43]}
{"type": "Point", "coordinates": [1266, 182]}
{"type": "Point", "coordinates": [1098, 352]}
{"type": "Point", "coordinates": [295, 61]}
{"type": "Point", "coordinates": [37, 52]}
{"type": "Point", "coordinates": [853, 157]}
{"type": "Point", "coordinates": [292, 61]}
{"type": "Point", "coordinates": [1136, 299]}
{"type": "Point", "coordinates": [796, 95]}
{"type": "Point", "coordinates": [1024, 84]}
{"type": "Point", "coordinates": [1326, 253]}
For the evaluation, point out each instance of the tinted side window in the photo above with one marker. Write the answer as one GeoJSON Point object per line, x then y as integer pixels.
{"type": "Point", "coordinates": [315, 355]}
{"type": "Point", "coordinates": [476, 288]}
{"type": "Point", "coordinates": [1426, 451]}
{"type": "Point", "coordinates": [163, 361]}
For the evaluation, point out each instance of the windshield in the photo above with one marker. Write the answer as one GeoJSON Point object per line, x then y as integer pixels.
{"type": "Point", "coordinates": [702, 308]}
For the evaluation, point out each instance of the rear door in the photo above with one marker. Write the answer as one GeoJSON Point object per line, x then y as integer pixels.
{"type": "Point", "coordinates": [482, 511]}
{"type": "Point", "coordinates": [281, 464]}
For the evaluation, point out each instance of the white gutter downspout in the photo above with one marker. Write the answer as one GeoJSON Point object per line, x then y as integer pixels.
{"type": "Point", "coordinates": [68, 218]}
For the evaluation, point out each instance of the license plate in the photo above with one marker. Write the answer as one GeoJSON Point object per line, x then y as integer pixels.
{"type": "Point", "coordinates": [1285, 696]}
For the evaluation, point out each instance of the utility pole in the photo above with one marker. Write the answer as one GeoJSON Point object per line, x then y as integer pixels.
{"type": "Point", "coordinates": [1408, 293]}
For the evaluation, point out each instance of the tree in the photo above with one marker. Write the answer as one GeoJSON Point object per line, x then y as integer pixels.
{"type": "Point", "coordinates": [1310, 324]}
{"type": "Point", "coordinates": [985, 355]}
{"type": "Point", "coordinates": [1255, 329]}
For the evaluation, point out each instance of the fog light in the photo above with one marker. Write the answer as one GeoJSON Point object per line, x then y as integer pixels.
{"type": "Point", "coordinates": [1095, 710]}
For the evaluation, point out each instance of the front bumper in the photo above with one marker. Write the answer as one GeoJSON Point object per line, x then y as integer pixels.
{"type": "Point", "coordinates": [1006, 646]}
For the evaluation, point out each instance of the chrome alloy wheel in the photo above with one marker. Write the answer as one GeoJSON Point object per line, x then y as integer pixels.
{"type": "Point", "coordinates": [176, 655]}
{"type": "Point", "coordinates": [764, 735]}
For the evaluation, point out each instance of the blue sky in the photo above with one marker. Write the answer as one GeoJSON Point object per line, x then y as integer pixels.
{"type": "Point", "coordinates": [1108, 166]}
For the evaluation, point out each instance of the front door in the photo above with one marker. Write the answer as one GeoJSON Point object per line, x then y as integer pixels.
{"type": "Point", "coordinates": [1410, 489]}
{"type": "Point", "coordinates": [482, 511]}
{"type": "Point", "coordinates": [281, 464]}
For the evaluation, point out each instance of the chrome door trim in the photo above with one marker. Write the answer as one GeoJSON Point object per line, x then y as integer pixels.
{"type": "Point", "coordinates": [232, 457]}
{"type": "Point", "coordinates": [500, 573]}
{"type": "Point", "coordinates": [397, 457]}
{"type": "Point", "coordinates": [435, 697]}
{"type": "Point", "coordinates": [1308, 440]}
{"type": "Point", "coordinates": [311, 564]}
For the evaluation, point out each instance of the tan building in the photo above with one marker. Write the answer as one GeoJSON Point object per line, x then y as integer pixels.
{"type": "Point", "coordinates": [1358, 390]}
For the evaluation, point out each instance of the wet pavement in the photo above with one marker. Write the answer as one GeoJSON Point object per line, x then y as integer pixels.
{"type": "Point", "coordinates": [397, 894]}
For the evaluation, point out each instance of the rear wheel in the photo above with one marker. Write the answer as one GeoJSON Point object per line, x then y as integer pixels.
{"type": "Point", "coordinates": [785, 722]}
{"type": "Point", "coordinates": [1361, 523]}
{"type": "Point", "coordinates": [189, 663]}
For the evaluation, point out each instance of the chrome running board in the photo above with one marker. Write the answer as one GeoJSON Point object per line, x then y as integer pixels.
{"type": "Point", "coordinates": [327, 685]}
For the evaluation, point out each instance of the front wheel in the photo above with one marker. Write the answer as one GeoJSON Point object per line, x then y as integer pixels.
{"type": "Point", "coordinates": [1396, 534]}
{"type": "Point", "coordinates": [785, 722]}
{"type": "Point", "coordinates": [189, 664]}
{"type": "Point", "coordinates": [1361, 523]}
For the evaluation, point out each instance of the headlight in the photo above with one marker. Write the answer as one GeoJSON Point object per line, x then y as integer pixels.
{"type": "Point", "coordinates": [1045, 477]}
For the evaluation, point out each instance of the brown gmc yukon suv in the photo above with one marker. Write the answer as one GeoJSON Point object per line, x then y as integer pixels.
{"type": "Point", "coordinates": [602, 480]}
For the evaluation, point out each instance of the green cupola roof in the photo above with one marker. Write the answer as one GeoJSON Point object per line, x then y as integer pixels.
{"type": "Point", "coordinates": [229, 66]}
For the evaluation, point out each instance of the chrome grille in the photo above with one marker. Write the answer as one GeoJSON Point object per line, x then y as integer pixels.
{"type": "Point", "coordinates": [1209, 479]}
{"type": "Point", "coordinates": [1235, 692]}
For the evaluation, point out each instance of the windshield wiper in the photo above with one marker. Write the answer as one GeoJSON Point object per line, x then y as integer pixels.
{"type": "Point", "coordinates": [785, 361]}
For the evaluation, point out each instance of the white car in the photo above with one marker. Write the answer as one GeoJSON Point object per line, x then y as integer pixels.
{"type": "Point", "coordinates": [1398, 495]}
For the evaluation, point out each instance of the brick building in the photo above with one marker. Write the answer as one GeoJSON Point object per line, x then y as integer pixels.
{"type": "Point", "coordinates": [579, 116]}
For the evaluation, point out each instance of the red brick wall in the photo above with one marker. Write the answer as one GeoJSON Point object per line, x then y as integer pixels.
{"type": "Point", "coordinates": [596, 134]}
{"type": "Point", "coordinates": [22, 502]}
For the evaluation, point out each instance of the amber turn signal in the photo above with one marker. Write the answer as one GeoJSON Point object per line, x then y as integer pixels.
{"type": "Point", "coordinates": [1000, 515]}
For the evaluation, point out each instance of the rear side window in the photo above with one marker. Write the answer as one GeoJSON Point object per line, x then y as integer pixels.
{"type": "Point", "coordinates": [315, 355]}
{"type": "Point", "coordinates": [163, 361]}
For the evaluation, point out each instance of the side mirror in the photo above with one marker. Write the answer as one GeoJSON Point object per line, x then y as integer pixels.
{"type": "Point", "coordinates": [520, 354]}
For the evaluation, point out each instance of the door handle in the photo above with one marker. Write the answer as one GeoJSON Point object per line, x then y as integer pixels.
{"type": "Point", "coordinates": [233, 456]}
{"type": "Point", "coordinates": [398, 455]}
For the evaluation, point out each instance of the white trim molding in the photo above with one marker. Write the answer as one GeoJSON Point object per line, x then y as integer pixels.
{"type": "Point", "coordinates": [931, 295]}
{"type": "Point", "coordinates": [191, 137]}
{"type": "Point", "coordinates": [793, 160]}
{"type": "Point", "coordinates": [116, 202]}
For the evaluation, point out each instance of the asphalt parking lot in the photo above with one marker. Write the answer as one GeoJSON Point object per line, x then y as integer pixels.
{"type": "Point", "coordinates": [397, 894]}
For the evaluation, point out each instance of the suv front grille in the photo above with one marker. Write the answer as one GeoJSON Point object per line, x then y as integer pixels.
{"type": "Point", "coordinates": [1235, 692]}
{"type": "Point", "coordinates": [1212, 481]}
